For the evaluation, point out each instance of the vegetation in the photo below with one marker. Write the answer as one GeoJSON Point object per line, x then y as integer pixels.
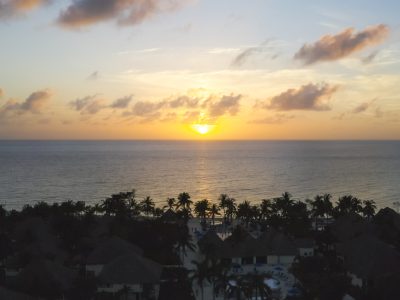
{"type": "Point", "coordinates": [142, 223]}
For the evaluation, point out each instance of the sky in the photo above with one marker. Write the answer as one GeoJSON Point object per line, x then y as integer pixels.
{"type": "Point", "coordinates": [200, 69]}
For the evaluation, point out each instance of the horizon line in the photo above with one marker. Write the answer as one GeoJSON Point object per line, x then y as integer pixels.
{"type": "Point", "coordinates": [199, 140]}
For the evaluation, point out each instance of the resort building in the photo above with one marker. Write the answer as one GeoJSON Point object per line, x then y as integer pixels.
{"type": "Point", "coordinates": [122, 270]}
{"type": "Point", "coordinates": [107, 250]}
{"type": "Point", "coordinates": [367, 259]}
{"type": "Point", "coordinates": [133, 276]}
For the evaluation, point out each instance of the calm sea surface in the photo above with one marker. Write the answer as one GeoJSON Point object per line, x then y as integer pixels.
{"type": "Point", "coordinates": [90, 171]}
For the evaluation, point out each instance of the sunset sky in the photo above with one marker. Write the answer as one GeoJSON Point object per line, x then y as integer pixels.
{"type": "Point", "coordinates": [151, 69]}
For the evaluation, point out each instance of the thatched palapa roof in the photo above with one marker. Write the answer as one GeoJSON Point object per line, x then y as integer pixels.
{"type": "Point", "coordinates": [131, 269]}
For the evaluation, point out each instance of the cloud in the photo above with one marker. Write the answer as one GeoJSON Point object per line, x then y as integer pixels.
{"type": "Point", "coordinates": [225, 105]}
{"type": "Point", "coordinates": [10, 8]}
{"type": "Point", "coordinates": [192, 107]}
{"type": "Point", "coordinates": [36, 101]}
{"type": "Point", "coordinates": [263, 49]}
{"type": "Point", "coordinates": [81, 13]}
{"type": "Point", "coordinates": [88, 105]}
{"type": "Point", "coordinates": [334, 47]}
{"type": "Point", "coordinates": [361, 108]}
{"type": "Point", "coordinates": [369, 58]}
{"type": "Point", "coordinates": [191, 116]}
{"type": "Point", "coordinates": [276, 119]}
{"type": "Point", "coordinates": [35, 104]}
{"type": "Point", "coordinates": [142, 108]}
{"type": "Point", "coordinates": [79, 104]}
{"type": "Point", "coordinates": [183, 101]}
{"type": "Point", "coordinates": [122, 102]}
{"type": "Point", "coordinates": [94, 76]}
{"type": "Point", "coordinates": [308, 97]}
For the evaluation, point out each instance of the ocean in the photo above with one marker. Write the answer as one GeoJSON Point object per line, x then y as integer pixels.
{"type": "Point", "coordinates": [32, 171]}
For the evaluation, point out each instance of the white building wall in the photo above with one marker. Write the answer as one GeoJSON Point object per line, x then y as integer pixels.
{"type": "Point", "coordinates": [286, 260]}
{"type": "Point", "coordinates": [272, 259]}
{"type": "Point", "coordinates": [306, 252]}
{"type": "Point", "coordinates": [115, 288]}
{"type": "Point", "coordinates": [356, 281]}
{"type": "Point", "coordinates": [96, 269]}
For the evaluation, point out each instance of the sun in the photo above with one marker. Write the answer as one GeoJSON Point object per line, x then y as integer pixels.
{"type": "Point", "coordinates": [202, 129]}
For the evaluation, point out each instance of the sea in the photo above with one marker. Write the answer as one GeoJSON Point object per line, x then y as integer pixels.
{"type": "Point", "coordinates": [54, 171]}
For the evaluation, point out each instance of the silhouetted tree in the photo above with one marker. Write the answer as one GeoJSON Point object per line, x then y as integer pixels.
{"type": "Point", "coordinates": [201, 275]}
{"type": "Point", "coordinates": [347, 204]}
{"type": "Point", "coordinates": [369, 208]}
{"type": "Point", "coordinates": [231, 209]}
{"type": "Point", "coordinates": [214, 211]}
{"type": "Point", "coordinates": [147, 206]}
{"type": "Point", "coordinates": [201, 208]}
{"type": "Point", "coordinates": [171, 203]}
{"type": "Point", "coordinates": [244, 212]}
{"type": "Point", "coordinates": [265, 209]}
{"type": "Point", "coordinates": [184, 242]}
{"type": "Point", "coordinates": [223, 200]}
{"type": "Point", "coordinates": [184, 201]}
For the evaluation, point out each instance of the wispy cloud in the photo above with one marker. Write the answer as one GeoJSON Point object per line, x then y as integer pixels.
{"type": "Point", "coordinates": [308, 97]}
{"type": "Point", "coordinates": [334, 47]}
{"type": "Point", "coordinates": [265, 49]}
{"type": "Point", "coordinates": [121, 103]}
{"type": "Point", "coordinates": [275, 119]}
{"type": "Point", "coordinates": [88, 105]}
{"type": "Point", "coordinates": [94, 76]}
{"type": "Point", "coordinates": [81, 13]}
{"type": "Point", "coordinates": [361, 108]}
{"type": "Point", "coordinates": [369, 58]}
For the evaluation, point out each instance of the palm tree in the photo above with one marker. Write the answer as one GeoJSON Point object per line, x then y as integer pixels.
{"type": "Point", "coordinates": [230, 209]}
{"type": "Point", "coordinates": [369, 208]}
{"type": "Point", "coordinates": [348, 204]}
{"type": "Point", "coordinates": [147, 206]}
{"type": "Point", "coordinates": [253, 286]}
{"type": "Point", "coordinates": [223, 200]}
{"type": "Point", "coordinates": [244, 211]}
{"type": "Point", "coordinates": [214, 210]}
{"type": "Point", "coordinates": [265, 209]}
{"type": "Point", "coordinates": [201, 208]}
{"type": "Point", "coordinates": [171, 202]}
{"type": "Point", "coordinates": [121, 204]}
{"type": "Point", "coordinates": [80, 207]}
{"type": "Point", "coordinates": [221, 279]}
{"type": "Point", "coordinates": [200, 274]}
{"type": "Point", "coordinates": [67, 207]}
{"type": "Point", "coordinates": [317, 208]}
{"type": "Point", "coordinates": [184, 242]}
{"type": "Point", "coordinates": [184, 200]}
{"type": "Point", "coordinates": [282, 205]}
{"type": "Point", "coordinates": [328, 206]}
{"type": "Point", "coordinates": [158, 212]}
